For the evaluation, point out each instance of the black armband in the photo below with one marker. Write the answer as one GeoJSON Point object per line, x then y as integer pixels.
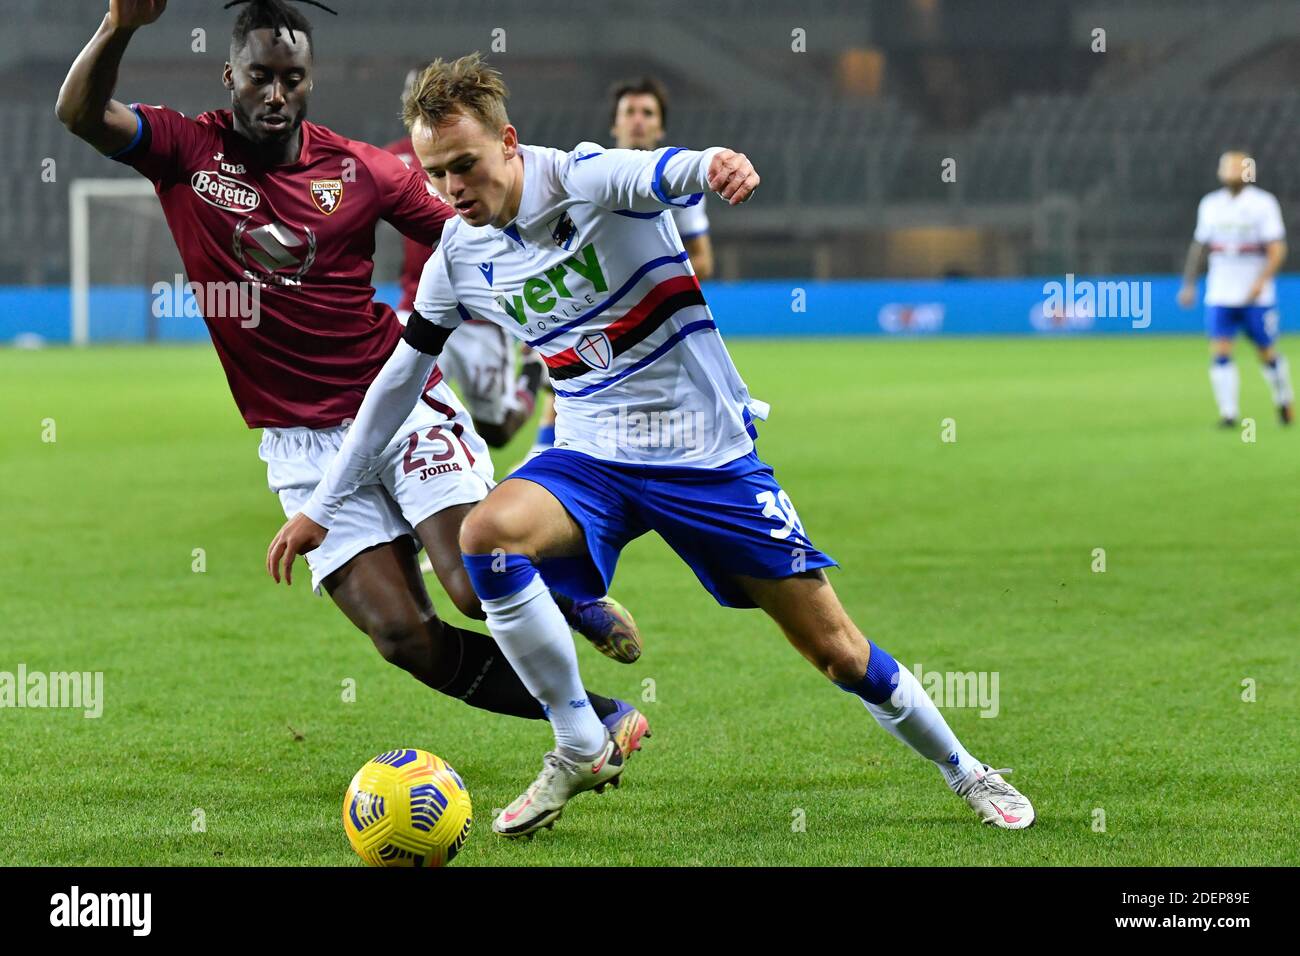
{"type": "Point", "coordinates": [423, 336]}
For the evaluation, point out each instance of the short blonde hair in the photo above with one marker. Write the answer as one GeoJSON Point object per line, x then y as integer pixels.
{"type": "Point", "coordinates": [467, 86]}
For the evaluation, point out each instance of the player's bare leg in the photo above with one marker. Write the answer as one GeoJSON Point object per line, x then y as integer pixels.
{"type": "Point", "coordinates": [518, 523]}
{"type": "Point", "coordinates": [377, 593]}
{"type": "Point", "coordinates": [1277, 373]}
{"type": "Point", "coordinates": [1226, 381]}
{"type": "Point", "coordinates": [440, 535]}
{"type": "Point", "coordinates": [812, 618]}
{"type": "Point", "coordinates": [382, 592]}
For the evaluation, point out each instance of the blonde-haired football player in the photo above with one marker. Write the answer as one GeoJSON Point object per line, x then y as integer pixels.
{"type": "Point", "coordinates": [568, 251]}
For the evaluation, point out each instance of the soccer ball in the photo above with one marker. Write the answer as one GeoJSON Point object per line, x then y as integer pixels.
{"type": "Point", "coordinates": [407, 808]}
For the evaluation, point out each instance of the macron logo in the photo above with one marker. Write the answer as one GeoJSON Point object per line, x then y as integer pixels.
{"type": "Point", "coordinates": [103, 909]}
{"type": "Point", "coordinates": [486, 269]}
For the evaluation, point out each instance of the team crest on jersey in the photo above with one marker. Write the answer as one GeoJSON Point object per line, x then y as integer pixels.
{"type": "Point", "coordinates": [594, 349]}
{"type": "Point", "coordinates": [327, 194]}
{"type": "Point", "coordinates": [563, 230]}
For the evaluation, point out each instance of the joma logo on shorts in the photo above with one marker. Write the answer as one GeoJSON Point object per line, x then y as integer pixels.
{"type": "Point", "coordinates": [543, 294]}
{"type": "Point", "coordinates": [442, 469]}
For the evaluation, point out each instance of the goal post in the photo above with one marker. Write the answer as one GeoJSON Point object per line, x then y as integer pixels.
{"type": "Point", "coordinates": [119, 247]}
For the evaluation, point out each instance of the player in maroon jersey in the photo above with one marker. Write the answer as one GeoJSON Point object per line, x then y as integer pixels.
{"type": "Point", "coordinates": [481, 359]}
{"type": "Point", "coordinates": [256, 195]}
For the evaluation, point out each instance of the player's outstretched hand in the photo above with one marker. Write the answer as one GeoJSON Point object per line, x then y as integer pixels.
{"type": "Point", "coordinates": [129, 14]}
{"type": "Point", "coordinates": [732, 176]}
{"type": "Point", "coordinates": [298, 536]}
{"type": "Point", "coordinates": [1187, 296]}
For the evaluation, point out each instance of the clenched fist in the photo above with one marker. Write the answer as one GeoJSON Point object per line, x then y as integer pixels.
{"type": "Point", "coordinates": [732, 176]}
{"type": "Point", "coordinates": [129, 14]}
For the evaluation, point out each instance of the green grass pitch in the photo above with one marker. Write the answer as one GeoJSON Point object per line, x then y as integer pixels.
{"type": "Point", "coordinates": [1120, 693]}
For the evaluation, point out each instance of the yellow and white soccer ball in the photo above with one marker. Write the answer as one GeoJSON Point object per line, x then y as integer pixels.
{"type": "Point", "coordinates": [407, 808]}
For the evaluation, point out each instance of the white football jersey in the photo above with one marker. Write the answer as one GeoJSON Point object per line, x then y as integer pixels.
{"type": "Point", "coordinates": [691, 220]}
{"type": "Point", "coordinates": [594, 277]}
{"type": "Point", "coordinates": [1236, 230]}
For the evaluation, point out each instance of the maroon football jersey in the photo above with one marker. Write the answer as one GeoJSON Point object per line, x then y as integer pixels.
{"type": "Point", "coordinates": [414, 254]}
{"type": "Point", "coordinates": [304, 233]}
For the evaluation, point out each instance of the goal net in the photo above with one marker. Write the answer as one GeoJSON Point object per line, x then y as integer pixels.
{"type": "Point", "coordinates": [127, 282]}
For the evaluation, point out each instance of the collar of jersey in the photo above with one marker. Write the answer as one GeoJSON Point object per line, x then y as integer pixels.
{"type": "Point", "coordinates": [523, 219]}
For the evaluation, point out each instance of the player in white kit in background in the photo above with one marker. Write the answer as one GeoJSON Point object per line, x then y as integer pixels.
{"type": "Point", "coordinates": [1241, 227]}
{"type": "Point", "coordinates": [639, 120]}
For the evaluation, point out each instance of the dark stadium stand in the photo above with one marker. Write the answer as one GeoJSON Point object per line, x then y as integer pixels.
{"type": "Point", "coordinates": [845, 156]}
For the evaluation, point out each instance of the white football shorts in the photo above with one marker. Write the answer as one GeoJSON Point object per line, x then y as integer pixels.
{"type": "Point", "coordinates": [436, 461]}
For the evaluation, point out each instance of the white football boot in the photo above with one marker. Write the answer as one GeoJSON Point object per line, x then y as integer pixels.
{"type": "Point", "coordinates": [997, 802]}
{"type": "Point", "coordinates": [561, 778]}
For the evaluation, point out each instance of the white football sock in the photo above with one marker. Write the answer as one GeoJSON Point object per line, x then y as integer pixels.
{"type": "Point", "coordinates": [1227, 383]}
{"type": "Point", "coordinates": [1278, 377]}
{"type": "Point", "coordinates": [532, 633]}
{"type": "Point", "coordinates": [910, 715]}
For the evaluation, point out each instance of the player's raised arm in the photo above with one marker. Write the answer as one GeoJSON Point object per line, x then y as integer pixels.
{"type": "Point", "coordinates": [645, 181]}
{"type": "Point", "coordinates": [86, 105]}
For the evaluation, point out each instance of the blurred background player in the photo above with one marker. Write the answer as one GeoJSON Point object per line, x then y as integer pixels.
{"type": "Point", "coordinates": [639, 120]}
{"type": "Point", "coordinates": [1240, 225]}
{"type": "Point", "coordinates": [300, 370]}
{"type": "Point", "coordinates": [481, 359]}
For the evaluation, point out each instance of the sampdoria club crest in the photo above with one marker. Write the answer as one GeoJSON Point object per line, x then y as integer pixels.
{"type": "Point", "coordinates": [594, 349]}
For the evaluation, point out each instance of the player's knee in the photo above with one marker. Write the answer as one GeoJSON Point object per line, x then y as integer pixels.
{"type": "Point", "coordinates": [841, 654]}
{"type": "Point", "coordinates": [479, 532]}
{"type": "Point", "coordinates": [487, 529]}
{"type": "Point", "coordinates": [404, 642]}
{"type": "Point", "coordinates": [846, 668]}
